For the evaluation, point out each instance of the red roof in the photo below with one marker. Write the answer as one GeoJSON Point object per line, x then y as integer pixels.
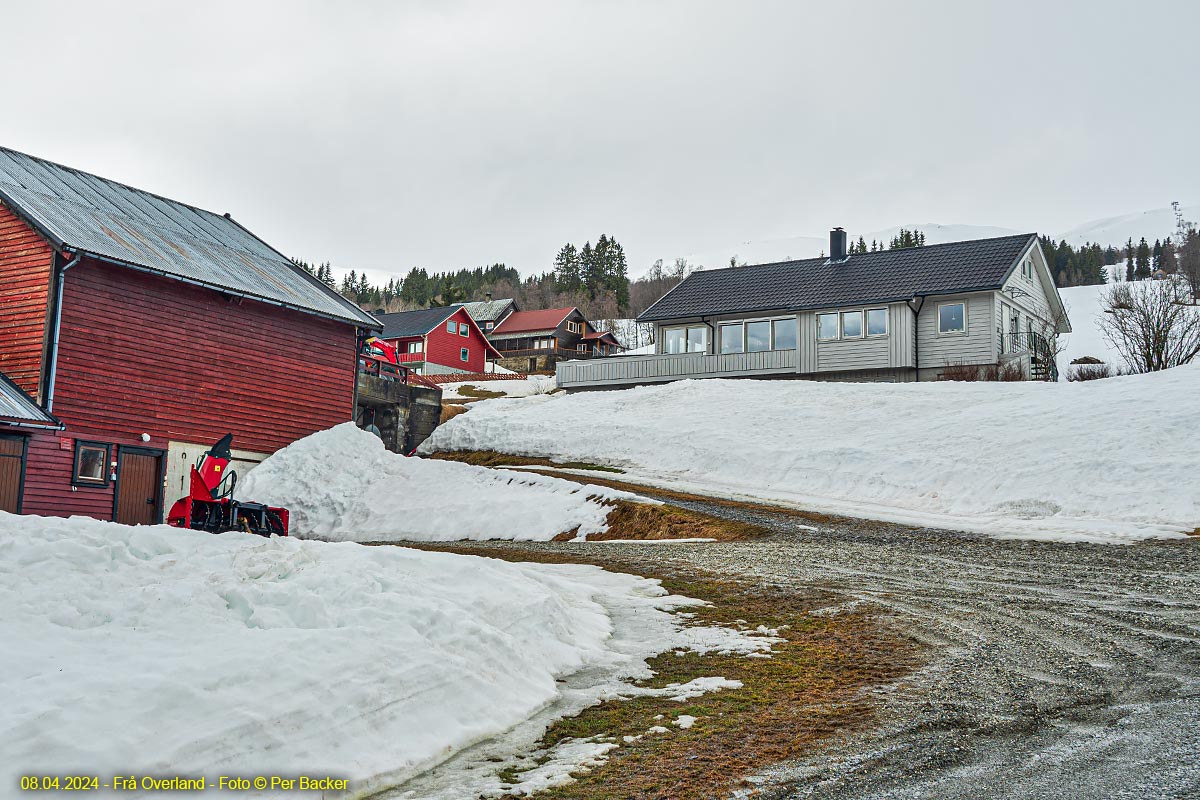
{"type": "Point", "coordinates": [546, 319]}
{"type": "Point", "coordinates": [600, 335]}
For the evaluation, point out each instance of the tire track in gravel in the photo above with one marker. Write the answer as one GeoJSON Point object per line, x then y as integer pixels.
{"type": "Point", "coordinates": [1059, 670]}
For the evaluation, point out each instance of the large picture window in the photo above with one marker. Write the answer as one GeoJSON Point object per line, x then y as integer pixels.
{"type": "Point", "coordinates": [952, 318]}
{"type": "Point", "coordinates": [731, 337]}
{"type": "Point", "coordinates": [91, 464]}
{"type": "Point", "coordinates": [690, 339]}
{"type": "Point", "coordinates": [785, 333]}
{"type": "Point", "coordinates": [758, 336]}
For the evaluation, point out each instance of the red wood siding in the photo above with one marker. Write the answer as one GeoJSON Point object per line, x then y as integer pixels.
{"type": "Point", "coordinates": [26, 261]}
{"type": "Point", "coordinates": [442, 347]}
{"type": "Point", "coordinates": [140, 353]}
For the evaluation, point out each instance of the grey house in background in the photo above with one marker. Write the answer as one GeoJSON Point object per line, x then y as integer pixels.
{"type": "Point", "coordinates": [892, 315]}
{"type": "Point", "coordinates": [489, 313]}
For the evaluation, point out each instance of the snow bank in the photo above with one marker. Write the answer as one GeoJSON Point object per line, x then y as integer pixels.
{"type": "Point", "coordinates": [155, 651]}
{"type": "Point", "coordinates": [1110, 460]}
{"type": "Point", "coordinates": [343, 485]}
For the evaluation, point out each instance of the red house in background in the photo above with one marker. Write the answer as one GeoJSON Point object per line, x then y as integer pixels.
{"type": "Point", "coordinates": [437, 341]}
{"type": "Point", "coordinates": [146, 329]}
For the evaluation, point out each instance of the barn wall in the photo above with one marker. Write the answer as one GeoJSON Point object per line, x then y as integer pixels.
{"type": "Point", "coordinates": [26, 262]}
{"type": "Point", "coordinates": [144, 354]}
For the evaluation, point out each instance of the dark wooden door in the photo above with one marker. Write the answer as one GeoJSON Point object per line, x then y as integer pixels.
{"type": "Point", "coordinates": [139, 487]}
{"type": "Point", "coordinates": [12, 461]}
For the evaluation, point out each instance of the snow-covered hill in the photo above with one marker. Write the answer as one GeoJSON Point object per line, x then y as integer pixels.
{"type": "Point", "coordinates": [1157, 223]}
{"type": "Point", "coordinates": [1154, 224]}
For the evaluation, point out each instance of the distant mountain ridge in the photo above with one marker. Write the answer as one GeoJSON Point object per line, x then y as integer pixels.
{"type": "Point", "coordinates": [1153, 224]}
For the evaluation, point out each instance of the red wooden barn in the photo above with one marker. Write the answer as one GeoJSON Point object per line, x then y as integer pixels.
{"type": "Point", "coordinates": [438, 340]}
{"type": "Point", "coordinates": [146, 329]}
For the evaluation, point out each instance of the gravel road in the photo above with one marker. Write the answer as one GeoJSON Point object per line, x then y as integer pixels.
{"type": "Point", "coordinates": [1057, 670]}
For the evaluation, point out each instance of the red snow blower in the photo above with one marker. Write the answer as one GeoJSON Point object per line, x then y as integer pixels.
{"type": "Point", "coordinates": [210, 506]}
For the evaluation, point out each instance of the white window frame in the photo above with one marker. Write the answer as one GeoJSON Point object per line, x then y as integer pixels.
{"type": "Point", "coordinates": [464, 329]}
{"type": "Point", "coordinates": [966, 323]}
{"type": "Point", "coordinates": [746, 336]}
{"type": "Point", "coordinates": [837, 315]}
{"type": "Point", "coordinates": [862, 324]}
{"type": "Point", "coordinates": [731, 323]}
{"type": "Point", "coordinates": [487, 326]}
{"type": "Point", "coordinates": [416, 347]}
{"type": "Point", "coordinates": [795, 332]}
{"type": "Point", "coordinates": [867, 323]}
{"type": "Point", "coordinates": [464, 354]}
{"type": "Point", "coordinates": [581, 347]}
{"type": "Point", "coordinates": [685, 329]}
{"type": "Point", "coordinates": [451, 326]}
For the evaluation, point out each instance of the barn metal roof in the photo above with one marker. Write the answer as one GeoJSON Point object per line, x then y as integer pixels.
{"type": "Point", "coordinates": [141, 230]}
{"type": "Point", "coordinates": [18, 408]}
{"type": "Point", "coordinates": [883, 276]}
{"type": "Point", "coordinates": [401, 324]}
{"type": "Point", "coordinates": [489, 310]}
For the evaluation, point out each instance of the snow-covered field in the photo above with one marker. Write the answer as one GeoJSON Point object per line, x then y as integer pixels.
{"type": "Point", "coordinates": [156, 651]}
{"type": "Point", "coordinates": [1085, 339]}
{"type": "Point", "coordinates": [522, 387]}
{"type": "Point", "coordinates": [343, 485]}
{"type": "Point", "coordinates": [1105, 461]}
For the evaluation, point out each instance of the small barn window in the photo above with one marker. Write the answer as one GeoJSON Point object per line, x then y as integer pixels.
{"type": "Point", "coordinates": [451, 326]}
{"type": "Point", "coordinates": [464, 354]}
{"type": "Point", "coordinates": [91, 464]}
{"type": "Point", "coordinates": [463, 329]}
{"type": "Point", "coordinates": [487, 326]}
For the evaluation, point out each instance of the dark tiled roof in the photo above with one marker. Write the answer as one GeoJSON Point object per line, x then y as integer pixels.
{"type": "Point", "coordinates": [142, 230]}
{"type": "Point", "coordinates": [413, 323]}
{"type": "Point", "coordinates": [884, 276]}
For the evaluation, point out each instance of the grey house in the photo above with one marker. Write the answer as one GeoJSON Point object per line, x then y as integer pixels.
{"type": "Point", "coordinates": [489, 313]}
{"type": "Point", "coordinates": [892, 315]}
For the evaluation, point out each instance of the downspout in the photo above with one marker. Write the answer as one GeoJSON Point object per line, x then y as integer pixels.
{"type": "Point", "coordinates": [58, 296]}
{"type": "Point", "coordinates": [916, 336]}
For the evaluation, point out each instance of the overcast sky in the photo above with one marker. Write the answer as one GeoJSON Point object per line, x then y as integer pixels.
{"type": "Point", "coordinates": [444, 134]}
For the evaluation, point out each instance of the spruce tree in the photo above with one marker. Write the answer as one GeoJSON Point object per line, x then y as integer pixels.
{"type": "Point", "coordinates": [1142, 260]}
{"type": "Point", "coordinates": [566, 269]}
{"type": "Point", "coordinates": [1129, 260]}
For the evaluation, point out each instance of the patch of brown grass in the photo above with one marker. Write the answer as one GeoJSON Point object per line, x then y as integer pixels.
{"type": "Point", "coordinates": [630, 520]}
{"type": "Point", "coordinates": [450, 411]}
{"type": "Point", "coordinates": [815, 685]}
{"type": "Point", "coordinates": [480, 394]}
{"type": "Point", "coordinates": [490, 458]}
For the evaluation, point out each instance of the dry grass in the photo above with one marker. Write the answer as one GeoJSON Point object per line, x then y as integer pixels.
{"type": "Point", "coordinates": [450, 411]}
{"type": "Point", "coordinates": [815, 685]}
{"type": "Point", "coordinates": [629, 520]}
{"type": "Point", "coordinates": [479, 394]}
{"type": "Point", "coordinates": [490, 458]}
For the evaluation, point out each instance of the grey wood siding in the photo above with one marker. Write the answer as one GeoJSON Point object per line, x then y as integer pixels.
{"type": "Point", "coordinates": [653, 368]}
{"type": "Point", "coordinates": [853, 354]}
{"type": "Point", "coordinates": [900, 335]}
{"type": "Point", "coordinates": [976, 346]}
{"type": "Point", "coordinates": [806, 342]}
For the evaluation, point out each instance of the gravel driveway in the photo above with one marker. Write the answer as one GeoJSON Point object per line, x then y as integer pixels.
{"type": "Point", "coordinates": [1058, 670]}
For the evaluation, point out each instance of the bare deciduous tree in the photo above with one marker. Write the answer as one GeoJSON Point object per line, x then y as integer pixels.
{"type": "Point", "coordinates": [1151, 325]}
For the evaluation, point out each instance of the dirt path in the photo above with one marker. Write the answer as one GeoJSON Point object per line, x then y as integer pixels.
{"type": "Point", "coordinates": [1061, 670]}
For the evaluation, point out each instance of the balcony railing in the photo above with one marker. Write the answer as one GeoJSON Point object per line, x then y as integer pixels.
{"type": "Point", "coordinates": [560, 352]}
{"type": "Point", "coordinates": [619, 370]}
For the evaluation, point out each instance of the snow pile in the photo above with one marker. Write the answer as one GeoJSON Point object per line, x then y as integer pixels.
{"type": "Point", "coordinates": [1107, 460]}
{"type": "Point", "coordinates": [156, 651]}
{"type": "Point", "coordinates": [343, 485]}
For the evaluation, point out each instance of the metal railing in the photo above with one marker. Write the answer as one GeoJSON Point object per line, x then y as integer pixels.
{"type": "Point", "coordinates": [661, 367]}
{"type": "Point", "coordinates": [560, 352]}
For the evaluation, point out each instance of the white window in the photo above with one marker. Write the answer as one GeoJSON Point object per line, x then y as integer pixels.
{"type": "Point", "coordinates": [877, 321]}
{"type": "Point", "coordinates": [827, 326]}
{"type": "Point", "coordinates": [784, 331]}
{"type": "Point", "coordinates": [463, 329]}
{"type": "Point", "coordinates": [581, 348]}
{"type": "Point", "coordinates": [451, 326]}
{"type": "Point", "coordinates": [758, 336]}
{"type": "Point", "coordinates": [731, 337]}
{"type": "Point", "coordinates": [852, 324]}
{"type": "Point", "coordinates": [416, 347]}
{"type": "Point", "coordinates": [464, 354]}
{"type": "Point", "coordinates": [952, 318]}
{"type": "Point", "coordinates": [487, 326]}
{"type": "Point", "coordinates": [690, 339]}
